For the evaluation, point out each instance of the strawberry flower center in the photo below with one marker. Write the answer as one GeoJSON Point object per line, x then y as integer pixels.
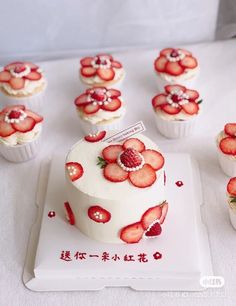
{"type": "Point", "coordinates": [176, 98]}
{"type": "Point", "coordinates": [15, 116]}
{"type": "Point", "coordinates": [20, 70]}
{"type": "Point", "coordinates": [175, 55]}
{"type": "Point", "coordinates": [130, 160]}
{"type": "Point", "coordinates": [101, 62]}
{"type": "Point", "coordinates": [99, 96]}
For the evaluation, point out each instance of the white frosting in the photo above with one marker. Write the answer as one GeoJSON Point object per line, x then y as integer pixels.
{"type": "Point", "coordinates": [187, 75]}
{"type": "Point", "coordinates": [181, 116]}
{"type": "Point", "coordinates": [219, 137]}
{"type": "Point", "coordinates": [125, 202]}
{"type": "Point", "coordinates": [21, 138]}
{"type": "Point", "coordinates": [119, 73]}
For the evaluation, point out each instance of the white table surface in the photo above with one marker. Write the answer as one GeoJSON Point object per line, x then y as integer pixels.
{"type": "Point", "coordinates": [18, 182]}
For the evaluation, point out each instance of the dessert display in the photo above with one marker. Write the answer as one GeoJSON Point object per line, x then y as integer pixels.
{"type": "Point", "coordinates": [23, 83]}
{"type": "Point", "coordinates": [231, 194]}
{"type": "Point", "coordinates": [226, 144]}
{"type": "Point", "coordinates": [104, 181]}
{"type": "Point", "coordinates": [176, 66]}
{"type": "Point", "coordinates": [101, 70]}
{"type": "Point", "coordinates": [100, 108]}
{"type": "Point", "coordinates": [176, 111]}
{"type": "Point", "coordinates": [20, 131]}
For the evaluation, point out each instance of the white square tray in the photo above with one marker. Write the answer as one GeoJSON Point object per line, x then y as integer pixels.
{"type": "Point", "coordinates": [183, 243]}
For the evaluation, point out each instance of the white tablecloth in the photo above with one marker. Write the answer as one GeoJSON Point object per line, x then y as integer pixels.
{"type": "Point", "coordinates": [18, 181]}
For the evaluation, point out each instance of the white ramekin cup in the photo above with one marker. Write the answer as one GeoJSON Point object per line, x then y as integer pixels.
{"type": "Point", "coordinates": [227, 163]}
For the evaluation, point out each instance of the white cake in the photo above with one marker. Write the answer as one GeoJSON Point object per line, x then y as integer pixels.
{"type": "Point", "coordinates": [124, 201]}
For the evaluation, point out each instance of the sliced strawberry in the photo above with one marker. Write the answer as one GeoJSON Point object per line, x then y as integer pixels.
{"type": "Point", "coordinates": [116, 64]}
{"type": "Point", "coordinates": [112, 106]}
{"type": "Point", "coordinates": [69, 213]}
{"type": "Point", "coordinates": [91, 90]}
{"type": "Point", "coordinates": [75, 170]}
{"type": "Point", "coordinates": [131, 158]}
{"type": "Point", "coordinates": [11, 107]}
{"type": "Point", "coordinates": [164, 210]}
{"type": "Point", "coordinates": [159, 100]}
{"type": "Point", "coordinates": [86, 61]}
{"type": "Point", "coordinates": [166, 51]}
{"type": "Point", "coordinates": [188, 62]}
{"type": "Point", "coordinates": [160, 63]}
{"type": "Point", "coordinates": [191, 108]}
{"type": "Point", "coordinates": [88, 71]}
{"type": "Point", "coordinates": [17, 83]}
{"type": "Point", "coordinates": [31, 65]}
{"type": "Point", "coordinates": [170, 109]}
{"type": "Point", "coordinates": [228, 145]}
{"type": "Point", "coordinates": [5, 76]}
{"type": "Point", "coordinates": [154, 230]}
{"type": "Point", "coordinates": [154, 159]}
{"type": "Point", "coordinates": [114, 173]}
{"type": "Point", "coordinates": [174, 68]}
{"type": "Point", "coordinates": [108, 56]}
{"type": "Point", "coordinates": [96, 137]}
{"type": "Point", "coordinates": [99, 214]}
{"type": "Point", "coordinates": [35, 116]}
{"type": "Point", "coordinates": [34, 76]}
{"type": "Point", "coordinates": [193, 94]}
{"type": "Point", "coordinates": [82, 100]}
{"type": "Point", "coordinates": [114, 93]}
{"type": "Point", "coordinates": [12, 65]}
{"type": "Point", "coordinates": [170, 88]}
{"type": "Point", "coordinates": [106, 74]}
{"type": "Point", "coordinates": [230, 129]}
{"type": "Point", "coordinates": [6, 129]}
{"type": "Point", "coordinates": [231, 187]}
{"type": "Point", "coordinates": [132, 233]}
{"type": "Point", "coordinates": [134, 143]}
{"type": "Point", "coordinates": [25, 125]}
{"type": "Point", "coordinates": [186, 52]}
{"type": "Point", "coordinates": [91, 109]}
{"type": "Point", "coordinates": [151, 215]}
{"type": "Point", "coordinates": [144, 177]}
{"type": "Point", "coordinates": [111, 153]}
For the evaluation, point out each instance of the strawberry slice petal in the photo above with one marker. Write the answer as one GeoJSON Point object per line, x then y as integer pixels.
{"type": "Point", "coordinates": [99, 214]}
{"type": "Point", "coordinates": [170, 88]}
{"type": "Point", "coordinates": [96, 137]}
{"type": "Point", "coordinates": [114, 173]}
{"type": "Point", "coordinates": [17, 83]}
{"type": "Point", "coordinates": [69, 213]}
{"type": "Point", "coordinates": [82, 100]}
{"type": "Point", "coordinates": [116, 64]}
{"type": "Point", "coordinates": [11, 107]}
{"type": "Point", "coordinates": [193, 94]}
{"type": "Point", "coordinates": [170, 109]}
{"type": "Point", "coordinates": [154, 159]}
{"type": "Point", "coordinates": [135, 144]}
{"type": "Point", "coordinates": [228, 145]}
{"type": "Point", "coordinates": [114, 93]}
{"type": "Point", "coordinates": [5, 76]}
{"type": "Point", "coordinates": [164, 210]}
{"type": "Point", "coordinates": [6, 129]}
{"type": "Point", "coordinates": [159, 100]}
{"type": "Point", "coordinates": [189, 62]}
{"type": "Point", "coordinates": [106, 74]}
{"type": "Point", "coordinates": [33, 76]}
{"type": "Point", "coordinates": [86, 61]}
{"type": "Point", "coordinates": [144, 177]}
{"type": "Point", "coordinates": [150, 215]}
{"type": "Point", "coordinates": [31, 65]}
{"type": "Point", "coordinates": [191, 108]}
{"type": "Point", "coordinates": [91, 109]}
{"type": "Point", "coordinates": [74, 170]}
{"type": "Point", "coordinates": [166, 51]}
{"type": "Point", "coordinates": [160, 63]}
{"type": "Point", "coordinates": [88, 71]}
{"type": "Point", "coordinates": [231, 187]}
{"type": "Point", "coordinates": [12, 65]}
{"type": "Point", "coordinates": [173, 68]}
{"type": "Point", "coordinates": [25, 125]}
{"type": "Point", "coordinates": [112, 106]}
{"type": "Point", "coordinates": [33, 115]}
{"type": "Point", "coordinates": [230, 129]}
{"type": "Point", "coordinates": [132, 233]}
{"type": "Point", "coordinates": [186, 52]}
{"type": "Point", "coordinates": [110, 153]}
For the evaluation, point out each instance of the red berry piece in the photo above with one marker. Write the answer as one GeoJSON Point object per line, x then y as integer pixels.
{"type": "Point", "coordinates": [25, 125]}
{"type": "Point", "coordinates": [106, 74]}
{"type": "Point", "coordinates": [11, 107]}
{"type": "Point", "coordinates": [14, 114]}
{"type": "Point", "coordinates": [75, 170]}
{"type": "Point", "coordinates": [91, 109]}
{"type": "Point", "coordinates": [189, 62]}
{"type": "Point", "coordinates": [151, 215]}
{"type": "Point", "coordinates": [159, 100]}
{"type": "Point", "coordinates": [86, 62]}
{"type": "Point", "coordinates": [154, 159]}
{"type": "Point", "coordinates": [191, 108]}
{"type": "Point", "coordinates": [99, 214]}
{"type": "Point", "coordinates": [131, 158]}
{"type": "Point", "coordinates": [51, 214]}
{"type": "Point", "coordinates": [69, 213]}
{"type": "Point", "coordinates": [12, 65]}
{"type": "Point", "coordinates": [114, 173]}
{"type": "Point", "coordinates": [132, 233]}
{"type": "Point", "coordinates": [193, 94]}
{"type": "Point", "coordinates": [88, 72]}
{"type": "Point", "coordinates": [114, 93]}
{"type": "Point", "coordinates": [179, 183]}
{"type": "Point", "coordinates": [231, 187]}
{"type": "Point", "coordinates": [228, 145]}
{"type": "Point", "coordinates": [82, 100]}
{"type": "Point", "coordinates": [19, 68]}
{"type": "Point", "coordinates": [96, 137]}
{"type": "Point", "coordinates": [154, 230]}
{"type": "Point", "coordinates": [170, 109]}
{"type": "Point", "coordinates": [111, 153]}
{"type": "Point", "coordinates": [173, 68]}
{"type": "Point", "coordinates": [160, 64]}
{"type": "Point", "coordinates": [230, 129]}
{"type": "Point", "coordinates": [135, 144]}
{"type": "Point", "coordinates": [112, 106]}
{"type": "Point", "coordinates": [157, 255]}
{"type": "Point", "coordinates": [144, 177]}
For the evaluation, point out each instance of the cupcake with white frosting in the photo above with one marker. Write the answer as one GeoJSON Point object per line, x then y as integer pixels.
{"type": "Point", "coordinates": [226, 145]}
{"type": "Point", "coordinates": [99, 109]}
{"type": "Point", "coordinates": [101, 70]}
{"type": "Point", "coordinates": [22, 83]}
{"type": "Point", "coordinates": [176, 66]}
{"type": "Point", "coordinates": [176, 111]}
{"type": "Point", "coordinates": [20, 131]}
{"type": "Point", "coordinates": [231, 196]}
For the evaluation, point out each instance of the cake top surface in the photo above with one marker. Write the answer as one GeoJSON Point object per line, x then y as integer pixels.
{"type": "Point", "coordinates": [113, 170]}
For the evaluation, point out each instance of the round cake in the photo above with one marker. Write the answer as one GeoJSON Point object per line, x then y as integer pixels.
{"type": "Point", "coordinates": [116, 191]}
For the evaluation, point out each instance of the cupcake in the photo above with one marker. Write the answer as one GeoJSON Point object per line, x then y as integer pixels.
{"type": "Point", "coordinates": [100, 109]}
{"type": "Point", "coordinates": [20, 131]}
{"type": "Point", "coordinates": [22, 83]}
{"type": "Point", "coordinates": [176, 111]}
{"type": "Point", "coordinates": [176, 66]}
{"type": "Point", "coordinates": [101, 70]}
{"type": "Point", "coordinates": [231, 193]}
{"type": "Point", "coordinates": [226, 144]}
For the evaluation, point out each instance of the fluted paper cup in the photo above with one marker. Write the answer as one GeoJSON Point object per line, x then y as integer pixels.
{"type": "Point", "coordinates": [89, 128]}
{"type": "Point", "coordinates": [227, 163]}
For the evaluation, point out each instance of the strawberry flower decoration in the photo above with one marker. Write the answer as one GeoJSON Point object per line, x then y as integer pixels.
{"type": "Point", "coordinates": [98, 98]}
{"type": "Point", "coordinates": [131, 161]}
{"type": "Point", "coordinates": [101, 65]}
{"type": "Point", "coordinates": [228, 143]}
{"type": "Point", "coordinates": [17, 73]}
{"type": "Point", "coordinates": [177, 98]}
{"type": "Point", "coordinates": [175, 61]}
{"type": "Point", "coordinates": [17, 119]}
